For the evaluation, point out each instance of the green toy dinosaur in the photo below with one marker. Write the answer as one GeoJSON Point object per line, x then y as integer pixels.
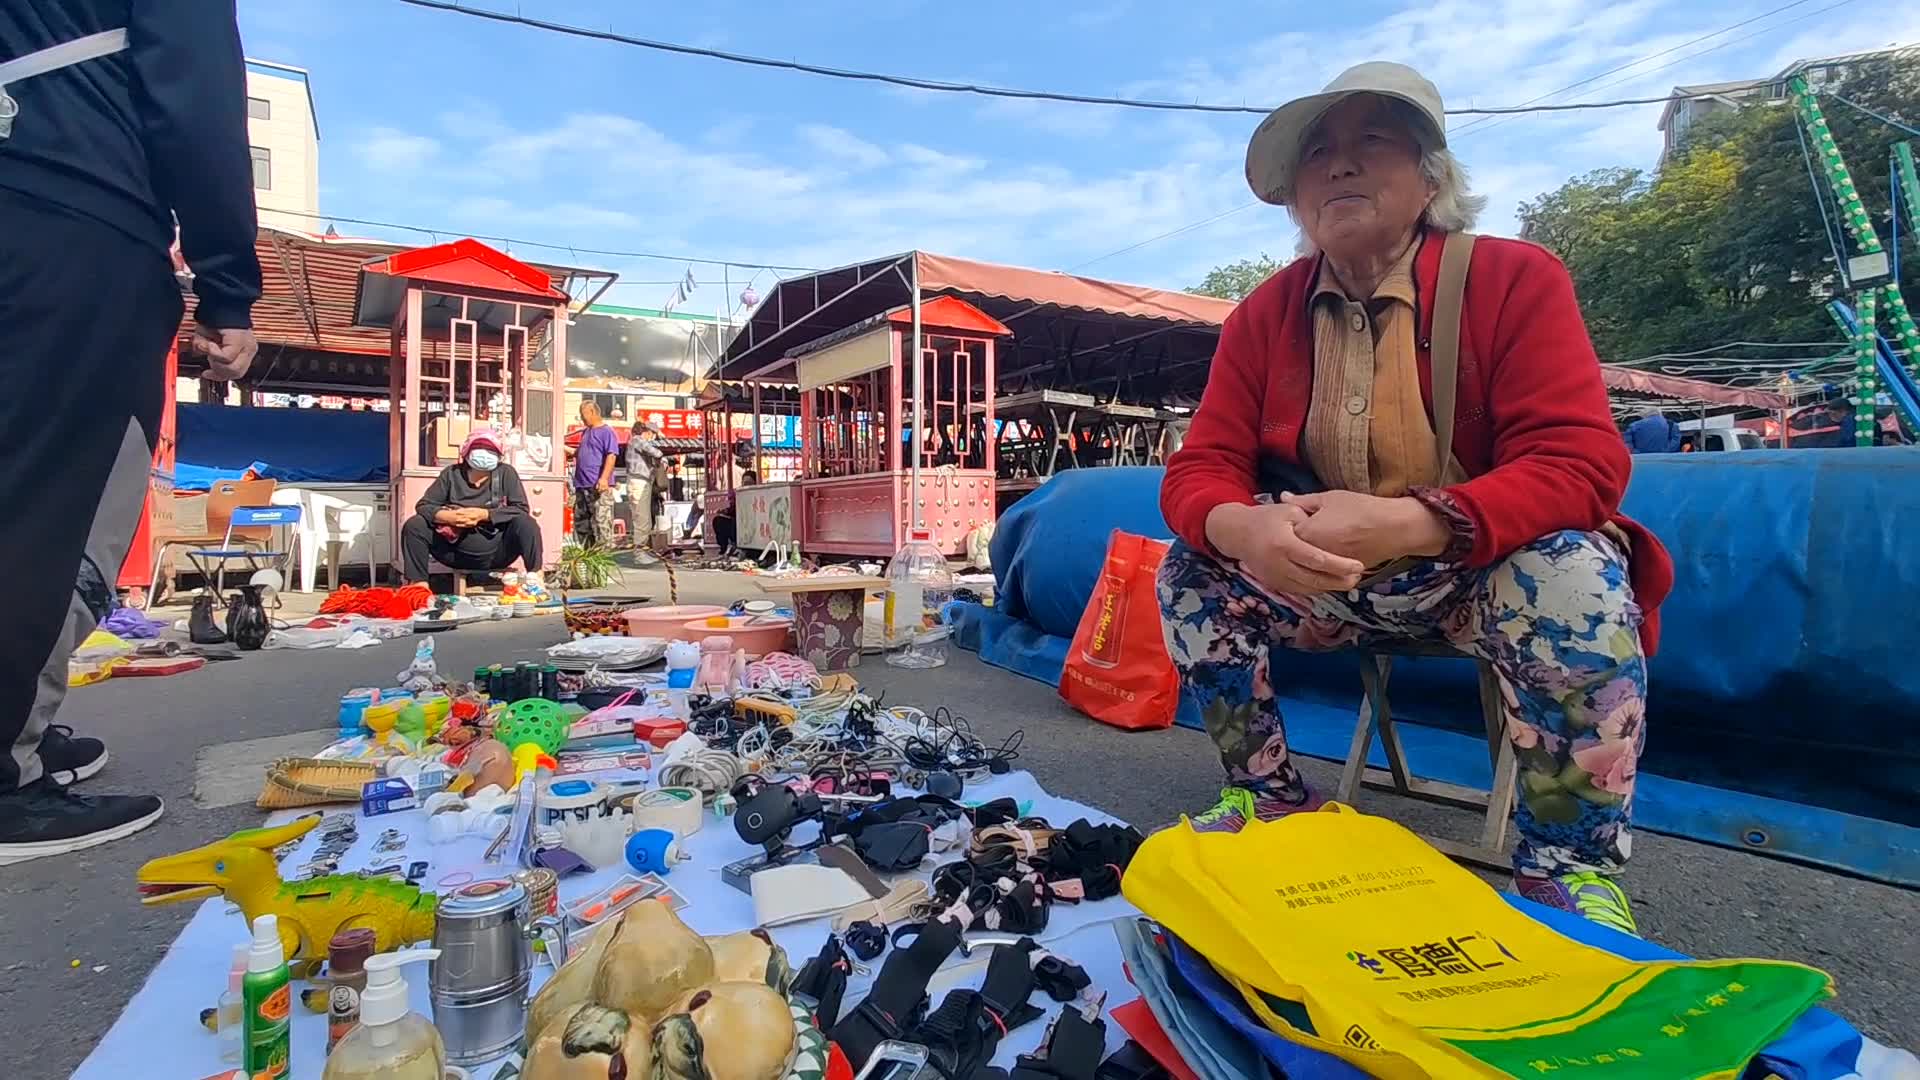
{"type": "Point", "coordinates": [243, 868]}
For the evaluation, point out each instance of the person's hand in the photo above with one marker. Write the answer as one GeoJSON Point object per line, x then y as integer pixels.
{"type": "Point", "coordinates": [1368, 528]}
{"type": "Point", "coordinates": [603, 486]}
{"type": "Point", "coordinates": [229, 353]}
{"type": "Point", "coordinates": [475, 515]}
{"type": "Point", "coordinates": [1266, 543]}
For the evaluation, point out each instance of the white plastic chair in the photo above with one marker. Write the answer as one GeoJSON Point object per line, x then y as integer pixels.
{"type": "Point", "coordinates": [327, 524]}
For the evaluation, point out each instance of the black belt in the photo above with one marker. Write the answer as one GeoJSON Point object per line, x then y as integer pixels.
{"type": "Point", "coordinates": [899, 993]}
{"type": "Point", "coordinates": [963, 1033]}
{"type": "Point", "coordinates": [1071, 1051]}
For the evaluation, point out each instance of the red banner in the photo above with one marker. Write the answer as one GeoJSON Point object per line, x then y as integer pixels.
{"type": "Point", "coordinates": [687, 423]}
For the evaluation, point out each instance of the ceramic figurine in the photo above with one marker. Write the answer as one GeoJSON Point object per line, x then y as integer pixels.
{"type": "Point", "coordinates": [646, 990]}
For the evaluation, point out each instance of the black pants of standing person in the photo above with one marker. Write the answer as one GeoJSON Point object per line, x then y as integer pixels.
{"type": "Point", "coordinates": [725, 535]}
{"type": "Point", "coordinates": [485, 547]}
{"type": "Point", "coordinates": [86, 313]}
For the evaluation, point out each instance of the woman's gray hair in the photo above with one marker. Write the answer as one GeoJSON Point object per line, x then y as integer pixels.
{"type": "Point", "coordinates": [1454, 207]}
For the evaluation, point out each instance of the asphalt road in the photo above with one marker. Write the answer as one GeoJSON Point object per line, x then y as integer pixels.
{"type": "Point", "coordinates": [1702, 900]}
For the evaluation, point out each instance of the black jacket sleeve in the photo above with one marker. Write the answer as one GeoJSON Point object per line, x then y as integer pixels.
{"type": "Point", "coordinates": [437, 495]}
{"type": "Point", "coordinates": [192, 101]}
{"type": "Point", "coordinates": [513, 496]}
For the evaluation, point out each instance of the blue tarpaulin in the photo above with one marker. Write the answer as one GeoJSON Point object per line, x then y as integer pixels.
{"type": "Point", "coordinates": [1784, 690]}
{"type": "Point", "coordinates": [220, 442]}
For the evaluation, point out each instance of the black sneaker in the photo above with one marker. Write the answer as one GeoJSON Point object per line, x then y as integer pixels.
{"type": "Point", "coordinates": [69, 760]}
{"type": "Point", "coordinates": [44, 818]}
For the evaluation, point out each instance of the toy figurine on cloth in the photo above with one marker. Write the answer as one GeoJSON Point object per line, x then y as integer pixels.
{"type": "Point", "coordinates": [423, 674]}
{"type": "Point", "coordinates": [645, 996]}
{"type": "Point", "coordinates": [242, 867]}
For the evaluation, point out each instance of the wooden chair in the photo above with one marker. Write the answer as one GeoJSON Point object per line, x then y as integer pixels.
{"type": "Point", "coordinates": [222, 499]}
{"type": "Point", "coordinates": [1376, 717]}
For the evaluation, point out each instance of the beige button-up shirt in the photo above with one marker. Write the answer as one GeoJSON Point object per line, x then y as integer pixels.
{"type": "Point", "coordinates": [1367, 426]}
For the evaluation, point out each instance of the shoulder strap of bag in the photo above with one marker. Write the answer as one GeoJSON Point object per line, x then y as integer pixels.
{"type": "Point", "coordinates": [1449, 294]}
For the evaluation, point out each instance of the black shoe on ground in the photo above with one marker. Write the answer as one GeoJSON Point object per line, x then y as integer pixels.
{"type": "Point", "coordinates": [45, 818]}
{"type": "Point", "coordinates": [69, 760]}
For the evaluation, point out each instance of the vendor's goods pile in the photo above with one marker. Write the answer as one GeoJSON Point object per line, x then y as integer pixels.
{"type": "Point", "coordinates": [531, 805]}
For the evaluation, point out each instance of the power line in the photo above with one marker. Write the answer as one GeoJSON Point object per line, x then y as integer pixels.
{"type": "Point", "coordinates": [1531, 106]}
{"type": "Point", "coordinates": [982, 89]}
{"type": "Point", "coordinates": [573, 248]}
{"type": "Point", "coordinates": [1650, 56]}
{"type": "Point", "coordinates": [1710, 49]}
{"type": "Point", "coordinates": [1189, 227]}
{"type": "Point", "coordinates": [1887, 120]}
{"type": "Point", "coordinates": [1705, 352]}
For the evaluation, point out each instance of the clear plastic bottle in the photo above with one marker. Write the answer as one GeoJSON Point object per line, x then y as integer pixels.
{"type": "Point", "coordinates": [920, 584]}
{"type": "Point", "coordinates": [391, 1043]}
{"type": "Point", "coordinates": [232, 1010]}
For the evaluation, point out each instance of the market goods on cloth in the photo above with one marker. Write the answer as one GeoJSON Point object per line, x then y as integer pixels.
{"type": "Point", "coordinates": [158, 1025]}
{"type": "Point", "coordinates": [294, 782]}
{"type": "Point", "coordinates": [1408, 966]}
{"type": "Point", "coordinates": [1118, 670]}
{"type": "Point", "coordinates": [378, 602]}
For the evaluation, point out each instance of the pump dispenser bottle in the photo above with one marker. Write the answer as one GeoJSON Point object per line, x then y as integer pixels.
{"type": "Point", "coordinates": [392, 1042]}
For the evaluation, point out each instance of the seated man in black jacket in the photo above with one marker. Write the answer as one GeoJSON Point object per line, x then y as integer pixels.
{"type": "Point", "coordinates": [474, 517]}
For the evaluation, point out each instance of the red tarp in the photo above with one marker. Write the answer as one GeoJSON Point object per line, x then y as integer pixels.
{"type": "Point", "coordinates": [939, 272]}
{"type": "Point", "coordinates": [1673, 386]}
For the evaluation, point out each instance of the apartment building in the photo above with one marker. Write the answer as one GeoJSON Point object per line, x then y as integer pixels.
{"type": "Point", "coordinates": [283, 134]}
{"type": "Point", "coordinates": [1692, 104]}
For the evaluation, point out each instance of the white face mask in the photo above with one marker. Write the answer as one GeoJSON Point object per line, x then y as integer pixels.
{"type": "Point", "coordinates": [483, 459]}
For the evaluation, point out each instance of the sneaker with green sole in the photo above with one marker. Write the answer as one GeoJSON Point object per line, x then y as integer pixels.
{"type": "Point", "coordinates": [1239, 805]}
{"type": "Point", "coordinates": [1594, 897]}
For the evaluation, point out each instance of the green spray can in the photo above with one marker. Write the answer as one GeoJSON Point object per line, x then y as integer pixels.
{"type": "Point", "coordinates": [266, 1001]}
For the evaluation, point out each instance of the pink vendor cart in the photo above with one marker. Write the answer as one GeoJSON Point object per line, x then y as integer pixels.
{"type": "Point", "coordinates": [475, 334]}
{"type": "Point", "coordinates": [870, 468]}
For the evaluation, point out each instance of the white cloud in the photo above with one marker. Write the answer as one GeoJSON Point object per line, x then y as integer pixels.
{"type": "Point", "coordinates": [1054, 185]}
{"type": "Point", "coordinates": [390, 150]}
{"type": "Point", "coordinates": [843, 146]}
{"type": "Point", "coordinates": [1103, 15]}
{"type": "Point", "coordinates": [929, 158]}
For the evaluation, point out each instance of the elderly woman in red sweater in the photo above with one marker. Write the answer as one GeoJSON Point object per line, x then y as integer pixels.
{"type": "Point", "coordinates": [1314, 509]}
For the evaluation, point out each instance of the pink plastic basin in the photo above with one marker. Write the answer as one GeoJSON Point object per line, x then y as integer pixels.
{"type": "Point", "coordinates": [757, 636]}
{"type": "Point", "coordinates": [667, 621]}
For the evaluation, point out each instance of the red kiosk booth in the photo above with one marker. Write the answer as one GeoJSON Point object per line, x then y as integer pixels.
{"type": "Point", "coordinates": [871, 466]}
{"type": "Point", "coordinates": [475, 337]}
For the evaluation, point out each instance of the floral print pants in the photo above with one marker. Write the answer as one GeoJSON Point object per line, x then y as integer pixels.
{"type": "Point", "coordinates": [1556, 619]}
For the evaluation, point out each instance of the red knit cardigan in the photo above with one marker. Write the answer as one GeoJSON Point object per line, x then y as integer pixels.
{"type": "Point", "coordinates": [1532, 426]}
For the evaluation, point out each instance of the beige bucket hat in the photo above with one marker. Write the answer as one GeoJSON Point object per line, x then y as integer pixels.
{"type": "Point", "coordinates": [1274, 150]}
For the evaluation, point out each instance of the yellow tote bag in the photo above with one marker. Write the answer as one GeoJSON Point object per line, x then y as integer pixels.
{"type": "Point", "coordinates": [1409, 966]}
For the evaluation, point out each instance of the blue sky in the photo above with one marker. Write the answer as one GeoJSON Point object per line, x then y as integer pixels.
{"type": "Point", "coordinates": [457, 123]}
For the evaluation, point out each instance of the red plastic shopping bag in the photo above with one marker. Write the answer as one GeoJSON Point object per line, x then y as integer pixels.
{"type": "Point", "coordinates": [1118, 670]}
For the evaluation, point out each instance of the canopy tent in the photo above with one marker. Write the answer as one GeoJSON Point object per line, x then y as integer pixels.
{"type": "Point", "coordinates": [1627, 382]}
{"type": "Point", "coordinates": [306, 318]}
{"type": "Point", "coordinates": [1130, 342]}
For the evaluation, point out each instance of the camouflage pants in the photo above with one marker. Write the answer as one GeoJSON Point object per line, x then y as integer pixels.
{"type": "Point", "coordinates": [1556, 619]}
{"type": "Point", "coordinates": [593, 517]}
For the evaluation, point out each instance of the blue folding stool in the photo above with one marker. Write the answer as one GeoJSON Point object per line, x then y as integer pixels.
{"type": "Point", "coordinates": [212, 562]}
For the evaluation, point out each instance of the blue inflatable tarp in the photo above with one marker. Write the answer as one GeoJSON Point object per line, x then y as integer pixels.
{"type": "Point", "coordinates": [1788, 672]}
{"type": "Point", "coordinates": [217, 442]}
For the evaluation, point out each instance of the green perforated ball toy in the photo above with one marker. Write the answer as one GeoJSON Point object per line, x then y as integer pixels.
{"type": "Point", "coordinates": [533, 720]}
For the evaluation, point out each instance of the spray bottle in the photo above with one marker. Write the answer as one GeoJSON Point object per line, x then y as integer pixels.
{"type": "Point", "coordinates": [267, 1001]}
{"type": "Point", "coordinates": [392, 1042]}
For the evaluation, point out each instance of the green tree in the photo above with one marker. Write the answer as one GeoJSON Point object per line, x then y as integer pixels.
{"type": "Point", "coordinates": [1236, 279]}
{"type": "Point", "coordinates": [1725, 242]}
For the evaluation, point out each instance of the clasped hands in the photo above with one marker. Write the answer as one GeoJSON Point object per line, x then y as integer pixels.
{"type": "Point", "coordinates": [1323, 542]}
{"type": "Point", "coordinates": [463, 517]}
